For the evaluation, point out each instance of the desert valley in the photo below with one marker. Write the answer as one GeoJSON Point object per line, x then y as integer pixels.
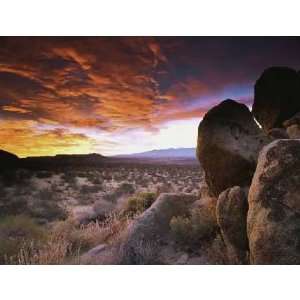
{"type": "Point", "coordinates": [236, 204]}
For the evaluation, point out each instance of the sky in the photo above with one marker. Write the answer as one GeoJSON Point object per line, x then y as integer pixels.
{"type": "Point", "coordinates": [119, 95]}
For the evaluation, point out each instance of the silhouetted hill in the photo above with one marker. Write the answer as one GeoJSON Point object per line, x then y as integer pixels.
{"type": "Point", "coordinates": [8, 160]}
{"type": "Point", "coordinates": [64, 160]}
{"type": "Point", "coordinates": [165, 156]}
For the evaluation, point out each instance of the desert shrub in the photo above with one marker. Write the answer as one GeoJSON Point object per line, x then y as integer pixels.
{"type": "Point", "coordinates": [102, 209]}
{"type": "Point", "coordinates": [3, 191]}
{"type": "Point", "coordinates": [45, 195]}
{"type": "Point", "coordinates": [82, 174]}
{"type": "Point", "coordinates": [141, 253]}
{"type": "Point", "coordinates": [53, 252]}
{"type": "Point", "coordinates": [124, 189]}
{"type": "Point", "coordinates": [66, 241]}
{"type": "Point", "coordinates": [50, 211]}
{"type": "Point", "coordinates": [95, 180]}
{"type": "Point", "coordinates": [9, 177]}
{"type": "Point", "coordinates": [95, 233]}
{"type": "Point", "coordinates": [12, 205]}
{"type": "Point", "coordinates": [45, 206]}
{"type": "Point", "coordinates": [216, 252]}
{"type": "Point", "coordinates": [17, 232]}
{"type": "Point", "coordinates": [139, 203]}
{"type": "Point", "coordinates": [86, 189]}
{"type": "Point", "coordinates": [69, 178]}
{"type": "Point", "coordinates": [181, 229]}
{"type": "Point", "coordinates": [75, 237]}
{"type": "Point", "coordinates": [43, 174]}
{"type": "Point", "coordinates": [192, 229]}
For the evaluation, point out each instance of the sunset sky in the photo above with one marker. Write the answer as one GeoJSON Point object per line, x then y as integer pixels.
{"type": "Point", "coordinates": [114, 95]}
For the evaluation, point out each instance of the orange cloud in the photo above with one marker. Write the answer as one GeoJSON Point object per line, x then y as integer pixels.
{"type": "Point", "coordinates": [21, 138]}
{"type": "Point", "coordinates": [116, 84]}
{"type": "Point", "coordinates": [15, 109]}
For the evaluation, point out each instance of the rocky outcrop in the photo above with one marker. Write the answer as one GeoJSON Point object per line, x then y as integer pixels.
{"type": "Point", "coordinates": [231, 211]}
{"type": "Point", "coordinates": [273, 223]}
{"type": "Point", "coordinates": [151, 228]}
{"type": "Point", "coordinates": [276, 97]}
{"type": "Point", "coordinates": [228, 144]}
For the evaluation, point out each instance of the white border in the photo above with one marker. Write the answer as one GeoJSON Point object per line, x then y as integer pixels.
{"type": "Point", "coordinates": [149, 17]}
{"type": "Point", "coordinates": [149, 282]}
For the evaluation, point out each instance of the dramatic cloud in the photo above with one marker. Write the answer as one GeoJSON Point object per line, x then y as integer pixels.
{"type": "Point", "coordinates": [68, 94]}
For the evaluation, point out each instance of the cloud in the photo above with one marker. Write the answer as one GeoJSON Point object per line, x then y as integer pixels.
{"type": "Point", "coordinates": [15, 109]}
{"type": "Point", "coordinates": [25, 139]}
{"type": "Point", "coordinates": [96, 82]}
{"type": "Point", "coordinates": [116, 85]}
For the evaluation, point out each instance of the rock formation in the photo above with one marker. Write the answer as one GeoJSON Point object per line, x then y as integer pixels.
{"type": "Point", "coordinates": [228, 144]}
{"type": "Point", "coordinates": [231, 211]}
{"type": "Point", "coordinates": [276, 97]}
{"type": "Point", "coordinates": [273, 223]}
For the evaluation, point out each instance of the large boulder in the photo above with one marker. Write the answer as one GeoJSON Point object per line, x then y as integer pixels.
{"type": "Point", "coordinates": [228, 144]}
{"type": "Point", "coordinates": [273, 223]}
{"type": "Point", "coordinates": [151, 229]}
{"type": "Point", "coordinates": [231, 211]}
{"type": "Point", "coordinates": [276, 96]}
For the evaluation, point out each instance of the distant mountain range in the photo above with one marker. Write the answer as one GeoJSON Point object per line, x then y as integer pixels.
{"type": "Point", "coordinates": [188, 153]}
{"type": "Point", "coordinates": [172, 155]}
{"type": "Point", "coordinates": [65, 160]}
{"type": "Point", "coordinates": [9, 160]}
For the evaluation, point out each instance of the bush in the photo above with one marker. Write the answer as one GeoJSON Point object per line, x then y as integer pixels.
{"type": "Point", "coordinates": [43, 174]}
{"type": "Point", "coordinates": [12, 205]}
{"type": "Point", "coordinates": [203, 225]}
{"type": "Point", "coordinates": [47, 210]}
{"type": "Point", "coordinates": [124, 189]}
{"type": "Point", "coordinates": [17, 232]}
{"type": "Point", "coordinates": [66, 241]}
{"type": "Point", "coordinates": [45, 195]}
{"type": "Point", "coordinates": [191, 230]}
{"type": "Point", "coordinates": [14, 177]}
{"type": "Point", "coordinates": [69, 178]}
{"type": "Point", "coordinates": [87, 189]}
{"type": "Point", "coordinates": [45, 206]}
{"type": "Point", "coordinates": [95, 180]}
{"type": "Point", "coordinates": [181, 229]}
{"type": "Point", "coordinates": [139, 203]}
{"type": "Point", "coordinates": [141, 253]}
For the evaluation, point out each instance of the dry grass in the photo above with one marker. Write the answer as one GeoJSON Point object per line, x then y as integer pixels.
{"type": "Point", "coordinates": [15, 232]}
{"type": "Point", "coordinates": [66, 241]}
{"type": "Point", "coordinates": [49, 198]}
{"type": "Point", "coordinates": [141, 253]}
